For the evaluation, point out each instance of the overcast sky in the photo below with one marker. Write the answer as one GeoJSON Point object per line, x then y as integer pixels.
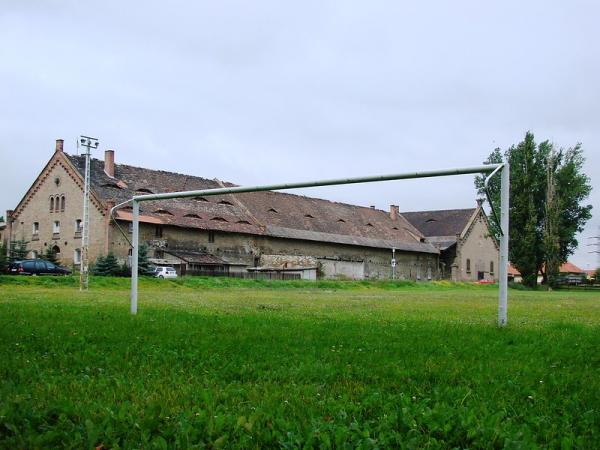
{"type": "Point", "coordinates": [261, 92]}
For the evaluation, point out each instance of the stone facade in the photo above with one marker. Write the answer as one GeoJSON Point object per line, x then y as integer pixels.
{"type": "Point", "coordinates": [477, 253]}
{"type": "Point", "coordinates": [332, 260]}
{"type": "Point", "coordinates": [33, 221]}
{"type": "Point", "coordinates": [468, 251]}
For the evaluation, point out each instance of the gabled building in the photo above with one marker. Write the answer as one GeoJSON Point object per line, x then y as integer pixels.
{"type": "Point", "coordinates": [468, 251]}
{"type": "Point", "coordinates": [261, 231]}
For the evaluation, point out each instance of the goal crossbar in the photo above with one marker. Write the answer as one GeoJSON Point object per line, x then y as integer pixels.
{"type": "Point", "coordinates": [488, 168]}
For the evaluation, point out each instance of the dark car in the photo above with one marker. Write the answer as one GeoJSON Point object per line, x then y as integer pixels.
{"type": "Point", "coordinates": [36, 267]}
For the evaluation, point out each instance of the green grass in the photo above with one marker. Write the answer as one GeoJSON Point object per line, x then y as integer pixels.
{"type": "Point", "coordinates": [229, 363]}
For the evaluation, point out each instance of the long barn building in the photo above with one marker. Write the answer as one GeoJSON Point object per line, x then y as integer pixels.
{"type": "Point", "coordinates": [252, 232]}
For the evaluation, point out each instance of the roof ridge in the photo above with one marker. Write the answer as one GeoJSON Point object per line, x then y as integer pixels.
{"type": "Point", "coordinates": [438, 210]}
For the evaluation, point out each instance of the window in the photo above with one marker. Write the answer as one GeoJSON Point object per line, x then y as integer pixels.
{"type": "Point", "coordinates": [309, 216]}
{"type": "Point", "coordinates": [56, 227]}
{"type": "Point", "coordinates": [33, 254]}
{"type": "Point", "coordinates": [211, 237]}
{"type": "Point", "coordinates": [193, 216]}
{"type": "Point", "coordinates": [158, 231]}
{"type": "Point", "coordinates": [62, 203]}
{"type": "Point", "coordinates": [77, 256]}
{"type": "Point", "coordinates": [159, 254]}
{"type": "Point", "coordinates": [163, 211]}
{"type": "Point", "coordinates": [130, 227]}
{"type": "Point", "coordinates": [243, 222]}
{"type": "Point", "coordinates": [219, 219]}
{"type": "Point", "coordinates": [225, 202]}
{"type": "Point", "coordinates": [273, 210]}
{"type": "Point", "coordinates": [36, 228]}
{"type": "Point", "coordinates": [491, 267]}
{"type": "Point", "coordinates": [468, 265]}
{"type": "Point", "coordinates": [78, 226]}
{"type": "Point", "coordinates": [51, 204]}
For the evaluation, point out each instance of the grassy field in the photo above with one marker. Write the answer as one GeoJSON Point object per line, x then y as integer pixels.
{"type": "Point", "coordinates": [242, 364]}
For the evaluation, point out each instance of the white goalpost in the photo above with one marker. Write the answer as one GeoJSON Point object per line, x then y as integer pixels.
{"type": "Point", "coordinates": [490, 169]}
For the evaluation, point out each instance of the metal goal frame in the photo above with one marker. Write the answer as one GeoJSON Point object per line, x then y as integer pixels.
{"type": "Point", "coordinates": [490, 169]}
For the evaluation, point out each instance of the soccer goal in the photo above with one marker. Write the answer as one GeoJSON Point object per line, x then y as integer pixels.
{"type": "Point", "coordinates": [491, 169]}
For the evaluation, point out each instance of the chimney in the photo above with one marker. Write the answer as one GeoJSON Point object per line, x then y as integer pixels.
{"type": "Point", "coordinates": [394, 212]}
{"type": "Point", "coordinates": [59, 145]}
{"type": "Point", "coordinates": [109, 163]}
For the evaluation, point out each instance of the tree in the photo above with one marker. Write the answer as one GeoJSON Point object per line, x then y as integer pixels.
{"type": "Point", "coordinates": [106, 266]}
{"type": "Point", "coordinates": [144, 266]}
{"type": "Point", "coordinates": [597, 276]}
{"type": "Point", "coordinates": [18, 250]}
{"type": "Point", "coordinates": [3, 258]}
{"type": "Point", "coordinates": [50, 255]}
{"type": "Point", "coordinates": [547, 191]}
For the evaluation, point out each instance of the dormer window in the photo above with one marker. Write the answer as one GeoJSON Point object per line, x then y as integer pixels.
{"type": "Point", "coordinates": [243, 222]}
{"type": "Point", "coordinates": [309, 216]}
{"type": "Point", "coordinates": [273, 210]}
{"type": "Point", "coordinates": [200, 199]}
{"type": "Point", "coordinates": [225, 202]}
{"type": "Point", "coordinates": [341, 221]}
{"type": "Point", "coordinates": [394, 228]}
{"type": "Point", "coordinates": [163, 212]}
{"type": "Point", "coordinates": [219, 219]}
{"type": "Point", "coordinates": [369, 224]}
{"type": "Point", "coordinates": [193, 216]}
{"type": "Point", "coordinates": [111, 185]}
{"type": "Point", "coordinates": [143, 191]}
{"type": "Point", "coordinates": [430, 221]}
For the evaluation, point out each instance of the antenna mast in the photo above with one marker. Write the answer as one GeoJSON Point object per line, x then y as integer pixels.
{"type": "Point", "coordinates": [88, 143]}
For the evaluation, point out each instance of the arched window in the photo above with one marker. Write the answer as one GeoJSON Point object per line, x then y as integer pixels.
{"type": "Point", "coordinates": [491, 267]}
{"type": "Point", "coordinates": [468, 265]}
{"type": "Point", "coordinates": [51, 204]}
{"type": "Point", "coordinates": [62, 203]}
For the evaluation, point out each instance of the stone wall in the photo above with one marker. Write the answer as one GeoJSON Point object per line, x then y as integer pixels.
{"type": "Point", "coordinates": [333, 260]}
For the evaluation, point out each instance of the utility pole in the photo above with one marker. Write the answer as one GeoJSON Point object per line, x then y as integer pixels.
{"type": "Point", "coordinates": [88, 143]}
{"type": "Point", "coordinates": [597, 245]}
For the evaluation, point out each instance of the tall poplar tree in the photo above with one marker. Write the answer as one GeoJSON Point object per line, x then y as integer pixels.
{"type": "Point", "coordinates": [547, 191]}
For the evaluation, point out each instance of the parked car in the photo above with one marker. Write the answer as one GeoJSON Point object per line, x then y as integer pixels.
{"type": "Point", "coordinates": [36, 267]}
{"type": "Point", "coordinates": [165, 272]}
